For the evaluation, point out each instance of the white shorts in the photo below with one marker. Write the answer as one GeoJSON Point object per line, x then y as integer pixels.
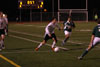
{"type": "Point", "coordinates": [96, 41]}
{"type": "Point", "coordinates": [67, 33]}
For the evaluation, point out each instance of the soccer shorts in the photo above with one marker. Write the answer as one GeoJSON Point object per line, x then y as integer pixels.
{"type": "Point", "coordinates": [2, 32]}
{"type": "Point", "coordinates": [46, 37]}
{"type": "Point", "coordinates": [96, 41]}
{"type": "Point", "coordinates": [67, 32]}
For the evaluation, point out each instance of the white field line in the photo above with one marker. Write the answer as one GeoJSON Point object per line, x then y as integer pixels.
{"type": "Point", "coordinates": [83, 30]}
{"type": "Point", "coordinates": [35, 35]}
{"type": "Point", "coordinates": [35, 41]}
{"type": "Point", "coordinates": [18, 52]}
{"type": "Point", "coordinates": [32, 26]}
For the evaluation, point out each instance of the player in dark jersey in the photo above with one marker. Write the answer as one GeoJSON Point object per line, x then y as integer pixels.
{"type": "Point", "coordinates": [68, 25]}
{"type": "Point", "coordinates": [95, 39]}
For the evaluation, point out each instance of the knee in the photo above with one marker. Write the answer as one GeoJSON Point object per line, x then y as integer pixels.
{"type": "Point", "coordinates": [43, 42]}
{"type": "Point", "coordinates": [56, 41]}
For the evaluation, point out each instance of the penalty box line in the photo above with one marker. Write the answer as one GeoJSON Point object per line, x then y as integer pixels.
{"type": "Point", "coordinates": [10, 61]}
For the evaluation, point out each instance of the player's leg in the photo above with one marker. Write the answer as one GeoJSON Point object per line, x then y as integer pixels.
{"type": "Point", "coordinates": [43, 42]}
{"type": "Point", "coordinates": [54, 41]}
{"type": "Point", "coordinates": [95, 42]}
{"type": "Point", "coordinates": [2, 41]}
{"type": "Point", "coordinates": [2, 32]}
{"type": "Point", "coordinates": [6, 30]}
{"type": "Point", "coordinates": [67, 35]}
{"type": "Point", "coordinates": [0, 44]}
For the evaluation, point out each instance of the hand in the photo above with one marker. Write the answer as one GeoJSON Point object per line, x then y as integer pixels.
{"type": "Point", "coordinates": [69, 27]}
{"type": "Point", "coordinates": [49, 35]}
{"type": "Point", "coordinates": [59, 29]}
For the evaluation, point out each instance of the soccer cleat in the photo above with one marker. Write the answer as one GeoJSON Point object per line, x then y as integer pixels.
{"type": "Point", "coordinates": [63, 43]}
{"type": "Point", "coordinates": [36, 49]}
{"type": "Point", "coordinates": [53, 49]}
{"type": "Point", "coordinates": [80, 58]}
{"type": "Point", "coordinates": [3, 47]}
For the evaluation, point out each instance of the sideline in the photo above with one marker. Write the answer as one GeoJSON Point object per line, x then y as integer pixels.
{"type": "Point", "coordinates": [10, 61]}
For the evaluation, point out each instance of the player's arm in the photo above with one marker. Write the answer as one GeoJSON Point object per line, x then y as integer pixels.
{"type": "Point", "coordinates": [73, 25]}
{"type": "Point", "coordinates": [91, 42]}
{"type": "Point", "coordinates": [62, 26]}
{"type": "Point", "coordinates": [48, 30]}
{"type": "Point", "coordinates": [58, 27]}
{"type": "Point", "coordinates": [92, 38]}
{"type": "Point", "coordinates": [4, 23]}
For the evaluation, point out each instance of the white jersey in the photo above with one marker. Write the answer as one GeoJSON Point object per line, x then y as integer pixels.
{"type": "Point", "coordinates": [6, 20]}
{"type": "Point", "coordinates": [50, 28]}
{"type": "Point", "coordinates": [2, 23]}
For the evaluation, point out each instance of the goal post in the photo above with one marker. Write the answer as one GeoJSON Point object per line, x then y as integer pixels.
{"type": "Point", "coordinates": [80, 14]}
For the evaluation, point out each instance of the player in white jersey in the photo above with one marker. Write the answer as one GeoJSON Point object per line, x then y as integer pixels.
{"type": "Point", "coordinates": [6, 21]}
{"type": "Point", "coordinates": [2, 32]}
{"type": "Point", "coordinates": [49, 34]}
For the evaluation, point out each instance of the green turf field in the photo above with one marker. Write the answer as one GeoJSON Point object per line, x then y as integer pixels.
{"type": "Point", "coordinates": [24, 38]}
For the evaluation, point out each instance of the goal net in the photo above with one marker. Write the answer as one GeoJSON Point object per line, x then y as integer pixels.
{"type": "Point", "coordinates": [77, 15]}
{"type": "Point", "coordinates": [77, 10]}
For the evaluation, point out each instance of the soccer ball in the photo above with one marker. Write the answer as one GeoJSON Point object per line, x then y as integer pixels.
{"type": "Point", "coordinates": [56, 49]}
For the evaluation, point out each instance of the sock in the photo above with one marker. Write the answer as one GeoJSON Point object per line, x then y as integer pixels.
{"type": "Point", "coordinates": [66, 39]}
{"type": "Point", "coordinates": [40, 45]}
{"type": "Point", "coordinates": [2, 43]}
{"type": "Point", "coordinates": [85, 52]}
{"type": "Point", "coordinates": [53, 44]}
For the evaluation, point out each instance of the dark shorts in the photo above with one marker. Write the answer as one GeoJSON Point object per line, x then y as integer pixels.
{"type": "Point", "coordinates": [2, 32]}
{"type": "Point", "coordinates": [46, 37]}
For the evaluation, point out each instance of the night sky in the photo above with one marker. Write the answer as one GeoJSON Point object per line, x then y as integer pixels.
{"type": "Point", "coordinates": [10, 7]}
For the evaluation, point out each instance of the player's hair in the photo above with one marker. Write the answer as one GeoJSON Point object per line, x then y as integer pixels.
{"type": "Point", "coordinates": [0, 12]}
{"type": "Point", "coordinates": [69, 17]}
{"type": "Point", "coordinates": [53, 18]}
{"type": "Point", "coordinates": [98, 21]}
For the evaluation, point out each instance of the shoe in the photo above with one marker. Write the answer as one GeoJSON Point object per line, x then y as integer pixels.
{"type": "Point", "coordinates": [63, 43]}
{"type": "Point", "coordinates": [3, 47]}
{"type": "Point", "coordinates": [53, 49]}
{"type": "Point", "coordinates": [36, 49]}
{"type": "Point", "coordinates": [80, 58]}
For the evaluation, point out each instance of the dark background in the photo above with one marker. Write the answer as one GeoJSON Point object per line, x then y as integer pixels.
{"type": "Point", "coordinates": [10, 7]}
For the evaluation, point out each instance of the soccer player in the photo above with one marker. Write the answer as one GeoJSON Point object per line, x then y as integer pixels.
{"type": "Point", "coordinates": [6, 22]}
{"type": "Point", "coordinates": [68, 25]}
{"type": "Point", "coordinates": [95, 39]}
{"type": "Point", "coordinates": [2, 31]}
{"type": "Point", "coordinates": [49, 34]}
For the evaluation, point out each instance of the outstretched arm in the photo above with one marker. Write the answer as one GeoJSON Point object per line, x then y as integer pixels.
{"type": "Point", "coordinates": [58, 26]}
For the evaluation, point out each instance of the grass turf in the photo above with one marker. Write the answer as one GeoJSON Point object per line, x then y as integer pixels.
{"type": "Point", "coordinates": [21, 51]}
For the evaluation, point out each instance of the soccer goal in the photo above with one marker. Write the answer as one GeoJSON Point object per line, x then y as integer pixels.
{"type": "Point", "coordinates": [77, 10]}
